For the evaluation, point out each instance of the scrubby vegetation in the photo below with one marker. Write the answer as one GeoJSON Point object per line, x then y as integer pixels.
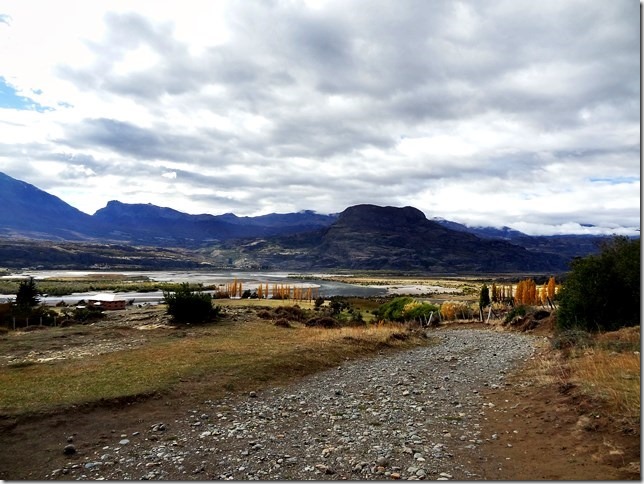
{"type": "Point", "coordinates": [451, 310]}
{"type": "Point", "coordinates": [187, 305]}
{"type": "Point", "coordinates": [602, 292]}
{"type": "Point", "coordinates": [25, 310]}
{"type": "Point", "coordinates": [65, 286]}
{"type": "Point", "coordinates": [403, 309]}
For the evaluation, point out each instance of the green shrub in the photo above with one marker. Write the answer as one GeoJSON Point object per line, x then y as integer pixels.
{"type": "Point", "coordinates": [572, 338]}
{"type": "Point", "coordinates": [520, 311]}
{"type": "Point", "coordinates": [402, 309]}
{"type": "Point", "coordinates": [602, 292]}
{"type": "Point", "coordinates": [420, 311]}
{"type": "Point", "coordinates": [86, 314]}
{"type": "Point", "coordinates": [188, 306]}
{"type": "Point", "coordinates": [393, 310]}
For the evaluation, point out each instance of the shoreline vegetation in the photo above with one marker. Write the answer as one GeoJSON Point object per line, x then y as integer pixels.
{"type": "Point", "coordinates": [396, 284]}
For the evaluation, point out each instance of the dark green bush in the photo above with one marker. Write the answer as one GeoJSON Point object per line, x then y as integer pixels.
{"type": "Point", "coordinates": [484, 297]}
{"type": "Point", "coordinates": [27, 295]}
{"type": "Point", "coordinates": [602, 292]}
{"type": "Point", "coordinates": [572, 338]}
{"type": "Point", "coordinates": [190, 306]}
{"type": "Point", "coordinates": [322, 322]}
{"type": "Point", "coordinates": [86, 314]}
{"type": "Point", "coordinates": [520, 311]}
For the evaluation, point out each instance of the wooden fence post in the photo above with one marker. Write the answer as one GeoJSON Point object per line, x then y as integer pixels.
{"type": "Point", "coordinates": [488, 315]}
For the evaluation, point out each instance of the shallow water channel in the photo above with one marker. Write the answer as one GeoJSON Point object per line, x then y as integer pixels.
{"type": "Point", "coordinates": [249, 279]}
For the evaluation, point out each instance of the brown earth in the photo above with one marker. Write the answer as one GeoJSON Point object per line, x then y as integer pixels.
{"type": "Point", "coordinates": [556, 434]}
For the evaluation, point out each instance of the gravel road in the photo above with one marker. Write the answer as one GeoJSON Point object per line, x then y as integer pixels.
{"type": "Point", "coordinates": [395, 416]}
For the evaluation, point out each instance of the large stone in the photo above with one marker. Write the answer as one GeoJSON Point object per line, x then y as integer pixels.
{"type": "Point", "coordinates": [69, 450]}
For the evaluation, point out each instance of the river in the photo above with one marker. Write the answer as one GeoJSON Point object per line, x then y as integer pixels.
{"type": "Point", "coordinates": [249, 279]}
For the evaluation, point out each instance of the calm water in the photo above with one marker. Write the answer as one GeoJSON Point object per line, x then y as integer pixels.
{"type": "Point", "coordinates": [249, 279]}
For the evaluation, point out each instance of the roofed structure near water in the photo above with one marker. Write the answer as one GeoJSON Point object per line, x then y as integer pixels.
{"type": "Point", "coordinates": [107, 301]}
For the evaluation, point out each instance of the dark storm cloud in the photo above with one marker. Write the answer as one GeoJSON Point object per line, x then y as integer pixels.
{"type": "Point", "coordinates": [131, 140]}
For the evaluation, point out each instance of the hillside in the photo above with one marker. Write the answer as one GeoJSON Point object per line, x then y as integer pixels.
{"type": "Point", "coordinates": [27, 211]}
{"type": "Point", "coordinates": [42, 255]}
{"type": "Point", "coordinates": [371, 237]}
{"type": "Point", "coordinates": [568, 246]}
{"type": "Point", "coordinates": [362, 236]}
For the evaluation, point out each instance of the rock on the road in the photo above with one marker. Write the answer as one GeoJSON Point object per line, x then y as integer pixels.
{"type": "Point", "coordinates": [395, 416]}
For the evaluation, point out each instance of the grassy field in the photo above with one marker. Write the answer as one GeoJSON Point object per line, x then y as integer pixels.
{"type": "Point", "coordinates": [61, 286]}
{"type": "Point", "coordinates": [213, 359]}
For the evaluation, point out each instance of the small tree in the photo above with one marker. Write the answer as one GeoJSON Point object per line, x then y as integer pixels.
{"type": "Point", "coordinates": [27, 296]}
{"type": "Point", "coordinates": [484, 298]}
{"type": "Point", "coordinates": [319, 301]}
{"type": "Point", "coordinates": [188, 306]}
{"type": "Point", "coordinates": [405, 308]}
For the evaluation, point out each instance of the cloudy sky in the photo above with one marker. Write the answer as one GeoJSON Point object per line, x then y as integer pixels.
{"type": "Point", "coordinates": [487, 112]}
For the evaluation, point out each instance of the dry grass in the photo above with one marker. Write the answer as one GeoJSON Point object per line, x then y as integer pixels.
{"type": "Point", "coordinates": [612, 377]}
{"type": "Point", "coordinates": [209, 360]}
{"type": "Point", "coordinates": [607, 371]}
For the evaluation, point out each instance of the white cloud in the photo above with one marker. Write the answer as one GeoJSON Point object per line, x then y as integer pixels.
{"type": "Point", "coordinates": [497, 113]}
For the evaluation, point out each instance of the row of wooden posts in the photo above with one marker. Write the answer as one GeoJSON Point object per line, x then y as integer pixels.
{"type": "Point", "coordinates": [27, 322]}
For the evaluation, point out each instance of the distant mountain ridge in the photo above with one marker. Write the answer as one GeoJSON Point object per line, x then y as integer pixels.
{"type": "Point", "coordinates": [147, 222]}
{"type": "Point", "coordinates": [371, 237]}
{"type": "Point", "coordinates": [504, 233]}
{"type": "Point", "coordinates": [569, 246]}
{"type": "Point", "coordinates": [362, 236]}
{"type": "Point", "coordinates": [27, 211]}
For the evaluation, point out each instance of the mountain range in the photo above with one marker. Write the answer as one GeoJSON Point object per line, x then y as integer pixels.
{"type": "Point", "coordinates": [360, 237]}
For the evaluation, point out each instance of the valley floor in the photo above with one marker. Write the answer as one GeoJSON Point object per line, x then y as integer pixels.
{"type": "Point", "coordinates": [467, 408]}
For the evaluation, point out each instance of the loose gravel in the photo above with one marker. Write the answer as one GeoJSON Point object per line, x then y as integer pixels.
{"type": "Point", "coordinates": [395, 416]}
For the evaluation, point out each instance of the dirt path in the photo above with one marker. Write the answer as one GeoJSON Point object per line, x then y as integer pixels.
{"type": "Point", "coordinates": [457, 411]}
{"type": "Point", "coordinates": [545, 432]}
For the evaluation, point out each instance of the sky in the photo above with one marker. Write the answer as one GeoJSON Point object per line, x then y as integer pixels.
{"type": "Point", "coordinates": [516, 113]}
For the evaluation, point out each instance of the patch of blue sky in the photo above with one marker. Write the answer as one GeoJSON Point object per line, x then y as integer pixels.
{"type": "Point", "coordinates": [616, 180]}
{"type": "Point", "coordinates": [9, 98]}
